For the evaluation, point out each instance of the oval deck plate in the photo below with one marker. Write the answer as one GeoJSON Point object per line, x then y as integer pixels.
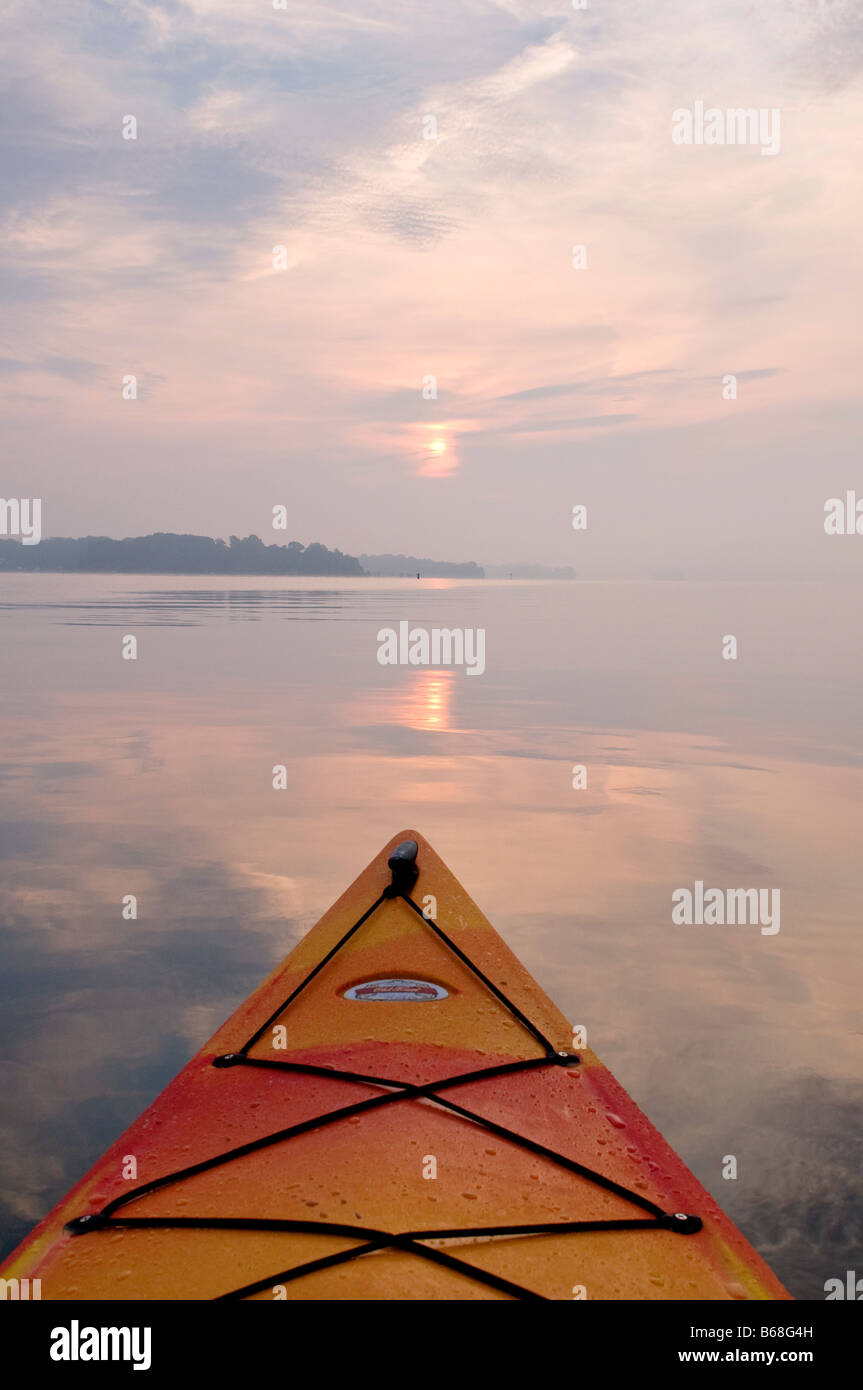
{"type": "Point", "coordinates": [396, 991]}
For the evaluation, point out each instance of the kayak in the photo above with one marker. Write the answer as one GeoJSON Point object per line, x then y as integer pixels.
{"type": "Point", "coordinates": [397, 1112]}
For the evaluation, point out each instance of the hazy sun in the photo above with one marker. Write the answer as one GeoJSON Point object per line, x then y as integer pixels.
{"type": "Point", "coordinates": [438, 453]}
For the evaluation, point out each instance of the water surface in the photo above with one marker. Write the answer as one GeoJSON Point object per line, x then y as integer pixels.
{"type": "Point", "coordinates": [154, 777]}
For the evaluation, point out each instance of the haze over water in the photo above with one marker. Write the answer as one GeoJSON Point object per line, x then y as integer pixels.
{"type": "Point", "coordinates": [154, 777]}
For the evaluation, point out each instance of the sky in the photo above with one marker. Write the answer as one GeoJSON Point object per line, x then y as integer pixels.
{"type": "Point", "coordinates": [426, 170]}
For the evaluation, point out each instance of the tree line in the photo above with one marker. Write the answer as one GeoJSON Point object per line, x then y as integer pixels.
{"type": "Point", "coordinates": [167, 553]}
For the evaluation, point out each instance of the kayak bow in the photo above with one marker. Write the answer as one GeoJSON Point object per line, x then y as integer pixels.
{"type": "Point", "coordinates": [397, 1112]}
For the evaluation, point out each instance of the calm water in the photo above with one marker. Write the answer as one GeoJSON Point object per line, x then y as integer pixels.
{"type": "Point", "coordinates": [153, 777]}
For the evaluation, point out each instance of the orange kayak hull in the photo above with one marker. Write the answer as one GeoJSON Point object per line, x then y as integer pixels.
{"type": "Point", "coordinates": [331, 1209]}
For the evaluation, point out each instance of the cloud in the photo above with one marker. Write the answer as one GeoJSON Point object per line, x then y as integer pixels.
{"type": "Point", "coordinates": [408, 256]}
{"type": "Point", "coordinates": [70, 368]}
{"type": "Point", "coordinates": [585, 422]}
{"type": "Point", "coordinates": [758, 374]}
{"type": "Point", "coordinates": [573, 388]}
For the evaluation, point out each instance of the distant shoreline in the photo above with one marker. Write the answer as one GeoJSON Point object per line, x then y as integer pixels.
{"type": "Point", "coordinates": [170, 553]}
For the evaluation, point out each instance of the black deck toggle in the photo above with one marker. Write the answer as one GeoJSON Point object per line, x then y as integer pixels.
{"type": "Point", "coordinates": [402, 863]}
{"type": "Point", "coordinates": [92, 1222]}
{"type": "Point", "coordinates": [682, 1223]}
